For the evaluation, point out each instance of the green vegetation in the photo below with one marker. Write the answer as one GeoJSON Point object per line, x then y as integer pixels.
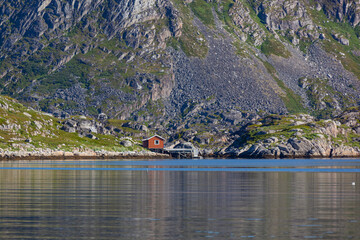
{"type": "Point", "coordinates": [240, 49]}
{"type": "Point", "coordinates": [69, 141]}
{"type": "Point", "coordinates": [223, 15]}
{"type": "Point", "coordinates": [323, 98]}
{"type": "Point", "coordinates": [222, 9]}
{"type": "Point", "coordinates": [281, 127]}
{"type": "Point", "coordinates": [344, 53]}
{"type": "Point", "coordinates": [294, 126]}
{"type": "Point", "coordinates": [275, 47]}
{"type": "Point", "coordinates": [73, 72]}
{"type": "Point", "coordinates": [191, 41]}
{"type": "Point", "coordinates": [155, 108]}
{"type": "Point", "coordinates": [33, 68]}
{"type": "Point", "coordinates": [304, 45]}
{"type": "Point", "coordinates": [187, 107]}
{"type": "Point", "coordinates": [350, 61]}
{"type": "Point", "coordinates": [203, 11]}
{"type": "Point", "coordinates": [117, 122]}
{"type": "Point", "coordinates": [251, 5]}
{"type": "Point", "coordinates": [101, 64]}
{"type": "Point", "coordinates": [292, 101]}
{"type": "Point", "coordinates": [19, 124]}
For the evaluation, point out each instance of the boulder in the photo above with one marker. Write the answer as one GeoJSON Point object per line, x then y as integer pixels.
{"type": "Point", "coordinates": [87, 125]}
{"type": "Point", "coordinates": [344, 41]}
{"type": "Point", "coordinates": [68, 129]}
{"type": "Point", "coordinates": [271, 140]}
{"type": "Point", "coordinates": [91, 136]}
{"type": "Point", "coordinates": [70, 123]}
{"type": "Point", "coordinates": [126, 143]}
{"type": "Point", "coordinates": [102, 117]}
{"type": "Point", "coordinates": [144, 128]}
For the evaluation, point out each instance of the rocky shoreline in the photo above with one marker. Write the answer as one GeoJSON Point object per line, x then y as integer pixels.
{"type": "Point", "coordinates": [298, 136]}
{"type": "Point", "coordinates": [253, 152]}
{"type": "Point", "coordinates": [65, 155]}
{"type": "Point", "coordinates": [295, 149]}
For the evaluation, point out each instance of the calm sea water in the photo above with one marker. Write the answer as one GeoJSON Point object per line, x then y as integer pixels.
{"type": "Point", "coordinates": [180, 199]}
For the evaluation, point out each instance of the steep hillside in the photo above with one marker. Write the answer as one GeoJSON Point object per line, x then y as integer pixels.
{"type": "Point", "coordinates": [27, 132]}
{"type": "Point", "coordinates": [155, 61]}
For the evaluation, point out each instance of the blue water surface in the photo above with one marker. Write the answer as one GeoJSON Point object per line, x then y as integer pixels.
{"type": "Point", "coordinates": [228, 165]}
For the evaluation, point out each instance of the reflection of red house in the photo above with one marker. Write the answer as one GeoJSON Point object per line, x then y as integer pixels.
{"type": "Point", "coordinates": [154, 142]}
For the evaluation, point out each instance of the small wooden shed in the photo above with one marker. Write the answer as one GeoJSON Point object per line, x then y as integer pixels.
{"type": "Point", "coordinates": [154, 142]}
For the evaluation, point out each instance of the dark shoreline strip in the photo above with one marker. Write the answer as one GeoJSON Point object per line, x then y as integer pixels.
{"type": "Point", "coordinates": [82, 157]}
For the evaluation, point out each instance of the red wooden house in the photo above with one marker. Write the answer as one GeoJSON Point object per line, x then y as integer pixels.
{"type": "Point", "coordinates": [154, 142]}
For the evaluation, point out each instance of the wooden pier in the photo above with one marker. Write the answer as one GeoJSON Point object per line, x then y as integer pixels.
{"type": "Point", "coordinates": [182, 152]}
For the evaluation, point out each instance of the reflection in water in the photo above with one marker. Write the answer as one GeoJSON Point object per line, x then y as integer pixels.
{"type": "Point", "coordinates": [102, 204]}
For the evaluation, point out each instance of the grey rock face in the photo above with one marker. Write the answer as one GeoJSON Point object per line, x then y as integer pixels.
{"type": "Point", "coordinates": [33, 18]}
{"type": "Point", "coordinates": [84, 127]}
{"type": "Point", "coordinates": [175, 21]}
{"type": "Point", "coordinates": [342, 10]}
{"type": "Point", "coordinates": [240, 15]}
{"type": "Point", "coordinates": [222, 74]}
{"type": "Point", "coordinates": [322, 143]}
{"type": "Point", "coordinates": [290, 17]}
{"type": "Point", "coordinates": [127, 45]}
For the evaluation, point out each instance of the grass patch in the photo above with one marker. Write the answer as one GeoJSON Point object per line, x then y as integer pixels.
{"type": "Point", "coordinates": [240, 49]}
{"type": "Point", "coordinates": [224, 14]}
{"type": "Point", "coordinates": [292, 101]}
{"type": "Point", "coordinates": [203, 11]}
{"type": "Point", "coordinates": [73, 72]}
{"type": "Point", "coordinates": [347, 58]}
{"type": "Point", "coordinates": [280, 127]}
{"type": "Point", "coordinates": [304, 45]}
{"type": "Point", "coordinates": [117, 122]}
{"type": "Point", "coordinates": [275, 47]}
{"type": "Point", "coordinates": [191, 41]}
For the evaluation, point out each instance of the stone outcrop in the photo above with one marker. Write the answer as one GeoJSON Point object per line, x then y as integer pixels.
{"type": "Point", "coordinates": [240, 16]}
{"type": "Point", "coordinates": [289, 17]}
{"type": "Point", "coordinates": [87, 128]}
{"type": "Point", "coordinates": [342, 10]}
{"type": "Point", "coordinates": [299, 148]}
{"type": "Point", "coordinates": [84, 127]}
{"type": "Point", "coordinates": [303, 137]}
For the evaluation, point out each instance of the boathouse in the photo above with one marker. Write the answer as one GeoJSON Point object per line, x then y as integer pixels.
{"type": "Point", "coordinates": [183, 150]}
{"type": "Point", "coordinates": [154, 142]}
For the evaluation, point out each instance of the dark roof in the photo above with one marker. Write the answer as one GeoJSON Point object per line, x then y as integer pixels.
{"type": "Point", "coordinates": [153, 137]}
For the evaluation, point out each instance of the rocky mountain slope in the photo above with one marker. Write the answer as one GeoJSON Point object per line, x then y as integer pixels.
{"type": "Point", "coordinates": [202, 68]}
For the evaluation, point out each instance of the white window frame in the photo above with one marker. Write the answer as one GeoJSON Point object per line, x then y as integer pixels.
{"type": "Point", "coordinates": [156, 142]}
